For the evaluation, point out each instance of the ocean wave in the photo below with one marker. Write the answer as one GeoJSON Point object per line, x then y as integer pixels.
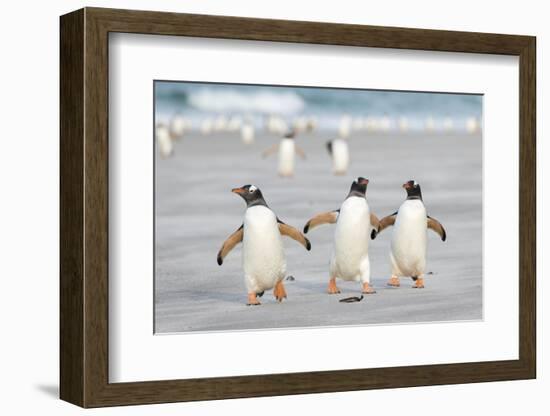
{"type": "Point", "coordinates": [230, 101]}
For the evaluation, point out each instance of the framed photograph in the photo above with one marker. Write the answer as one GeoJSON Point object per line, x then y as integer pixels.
{"type": "Point", "coordinates": [256, 207]}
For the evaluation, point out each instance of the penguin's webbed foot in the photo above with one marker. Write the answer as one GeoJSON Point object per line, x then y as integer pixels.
{"type": "Point", "coordinates": [332, 288]}
{"type": "Point", "coordinates": [253, 300]}
{"type": "Point", "coordinates": [418, 283]}
{"type": "Point", "coordinates": [368, 289]}
{"type": "Point", "coordinates": [279, 292]}
{"type": "Point", "coordinates": [394, 281]}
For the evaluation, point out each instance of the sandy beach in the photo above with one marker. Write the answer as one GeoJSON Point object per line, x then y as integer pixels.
{"type": "Point", "coordinates": [195, 213]}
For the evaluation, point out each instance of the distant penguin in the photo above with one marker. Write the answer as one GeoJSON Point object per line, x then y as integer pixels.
{"type": "Point", "coordinates": [299, 124]}
{"type": "Point", "coordinates": [287, 149]}
{"type": "Point", "coordinates": [371, 124]}
{"type": "Point", "coordinates": [409, 239]}
{"type": "Point", "coordinates": [339, 152]}
{"type": "Point", "coordinates": [355, 224]}
{"type": "Point", "coordinates": [276, 125]}
{"type": "Point", "coordinates": [403, 124]}
{"type": "Point", "coordinates": [247, 132]}
{"type": "Point", "coordinates": [472, 125]}
{"type": "Point", "coordinates": [311, 124]}
{"type": "Point", "coordinates": [220, 123]}
{"type": "Point", "coordinates": [429, 125]}
{"type": "Point", "coordinates": [448, 124]}
{"type": "Point", "coordinates": [235, 123]}
{"type": "Point", "coordinates": [264, 260]}
{"type": "Point", "coordinates": [164, 141]}
{"type": "Point", "coordinates": [178, 124]}
{"type": "Point", "coordinates": [207, 126]}
{"type": "Point", "coordinates": [344, 129]}
{"type": "Point", "coordinates": [385, 124]}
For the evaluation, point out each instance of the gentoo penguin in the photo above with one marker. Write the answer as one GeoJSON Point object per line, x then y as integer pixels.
{"type": "Point", "coordinates": [264, 260]}
{"type": "Point", "coordinates": [408, 244]}
{"type": "Point", "coordinates": [430, 124]}
{"type": "Point", "coordinates": [338, 150]}
{"type": "Point", "coordinates": [448, 124]}
{"type": "Point", "coordinates": [403, 123]}
{"type": "Point", "coordinates": [178, 124]}
{"type": "Point", "coordinates": [344, 129]}
{"type": "Point", "coordinates": [354, 224]}
{"type": "Point", "coordinates": [207, 126]}
{"type": "Point", "coordinates": [235, 123]}
{"type": "Point", "coordinates": [472, 125]}
{"type": "Point", "coordinates": [247, 132]}
{"type": "Point", "coordinates": [164, 140]}
{"type": "Point", "coordinates": [287, 148]}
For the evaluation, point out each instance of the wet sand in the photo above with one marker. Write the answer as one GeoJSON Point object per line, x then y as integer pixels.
{"type": "Point", "coordinates": [195, 212]}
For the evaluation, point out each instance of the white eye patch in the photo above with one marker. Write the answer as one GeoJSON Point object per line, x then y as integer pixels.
{"type": "Point", "coordinates": [252, 189]}
{"type": "Point", "coordinates": [415, 183]}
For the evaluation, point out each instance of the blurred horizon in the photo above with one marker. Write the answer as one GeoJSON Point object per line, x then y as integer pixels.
{"type": "Point", "coordinates": [200, 101]}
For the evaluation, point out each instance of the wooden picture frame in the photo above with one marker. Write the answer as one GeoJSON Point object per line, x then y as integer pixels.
{"type": "Point", "coordinates": [84, 207]}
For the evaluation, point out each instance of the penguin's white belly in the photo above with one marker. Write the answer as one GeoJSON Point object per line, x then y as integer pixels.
{"type": "Point", "coordinates": [409, 239]}
{"type": "Point", "coordinates": [286, 157]}
{"type": "Point", "coordinates": [340, 156]}
{"type": "Point", "coordinates": [351, 239]}
{"type": "Point", "coordinates": [264, 261]}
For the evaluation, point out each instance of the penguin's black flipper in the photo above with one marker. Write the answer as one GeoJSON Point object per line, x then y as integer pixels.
{"type": "Point", "coordinates": [383, 224]}
{"type": "Point", "coordinates": [375, 224]}
{"type": "Point", "coordinates": [436, 226]}
{"type": "Point", "coordinates": [293, 233]}
{"type": "Point", "coordinates": [323, 218]}
{"type": "Point", "coordinates": [230, 243]}
{"type": "Point", "coordinates": [329, 147]}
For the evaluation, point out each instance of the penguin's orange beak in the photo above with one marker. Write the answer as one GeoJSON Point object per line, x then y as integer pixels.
{"type": "Point", "coordinates": [408, 185]}
{"type": "Point", "coordinates": [239, 191]}
{"type": "Point", "coordinates": [364, 182]}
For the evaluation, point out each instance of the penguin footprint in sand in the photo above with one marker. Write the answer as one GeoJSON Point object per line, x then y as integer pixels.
{"type": "Point", "coordinates": [354, 223]}
{"type": "Point", "coordinates": [264, 261]}
{"type": "Point", "coordinates": [409, 238]}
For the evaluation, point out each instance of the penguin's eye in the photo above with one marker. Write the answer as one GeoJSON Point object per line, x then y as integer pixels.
{"type": "Point", "coordinates": [252, 189]}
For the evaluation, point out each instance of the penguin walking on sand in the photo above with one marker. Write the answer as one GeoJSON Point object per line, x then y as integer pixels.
{"type": "Point", "coordinates": [264, 260]}
{"type": "Point", "coordinates": [178, 125]}
{"type": "Point", "coordinates": [339, 152]}
{"type": "Point", "coordinates": [164, 141]}
{"type": "Point", "coordinates": [409, 239]}
{"type": "Point", "coordinates": [247, 132]}
{"type": "Point", "coordinates": [287, 149]}
{"type": "Point", "coordinates": [355, 224]}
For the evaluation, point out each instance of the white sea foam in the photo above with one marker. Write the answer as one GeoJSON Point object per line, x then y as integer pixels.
{"type": "Point", "coordinates": [231, 101]}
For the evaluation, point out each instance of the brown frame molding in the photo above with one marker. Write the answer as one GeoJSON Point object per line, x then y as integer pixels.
{"type": "Point", "coordinates": [84, 207]}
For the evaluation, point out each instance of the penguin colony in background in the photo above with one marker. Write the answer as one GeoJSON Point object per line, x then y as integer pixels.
{"type": "Point", "coordinates": [264, 261]}
{"type": "Point", "coordinates": [338, 148]}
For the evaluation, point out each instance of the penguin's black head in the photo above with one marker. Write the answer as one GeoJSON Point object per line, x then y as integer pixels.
{"type": "Point", "coordinates": [358, 187]}
{"type": "Point", "coordinates": [413, 189]}
{"type": "Point", "coordinates": [290, 134]}
{"type": "Point", "coordinates": [251, 194]}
